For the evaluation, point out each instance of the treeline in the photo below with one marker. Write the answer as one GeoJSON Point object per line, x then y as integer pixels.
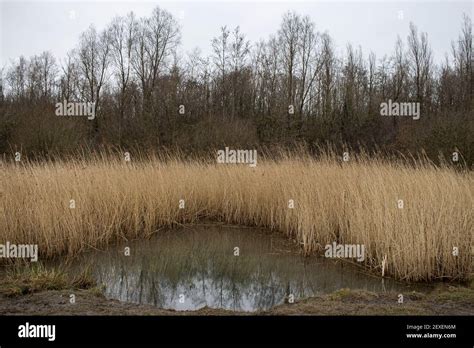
{"type": "Point", "coordinates": [291, 87]}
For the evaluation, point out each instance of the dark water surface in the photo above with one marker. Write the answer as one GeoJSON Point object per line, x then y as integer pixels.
{"type": "Point", "coordinates": [193, 267]}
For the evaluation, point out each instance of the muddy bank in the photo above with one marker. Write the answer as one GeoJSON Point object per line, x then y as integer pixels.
{"type": "Point", "coordinates": [446, 300]}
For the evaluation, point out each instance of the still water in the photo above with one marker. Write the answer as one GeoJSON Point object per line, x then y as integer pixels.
{"type": "Point", "coordinates": [193, 267]}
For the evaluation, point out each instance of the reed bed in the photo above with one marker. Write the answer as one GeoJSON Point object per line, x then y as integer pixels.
{"type": "Point", "coordinates": [353, 202]}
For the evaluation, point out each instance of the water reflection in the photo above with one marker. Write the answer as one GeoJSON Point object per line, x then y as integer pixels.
{"type": "Point", "coordinates": [189, 268]}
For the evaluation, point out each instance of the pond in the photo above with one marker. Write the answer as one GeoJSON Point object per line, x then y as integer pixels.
{"type": "Point", "coordinates": [235, 268]}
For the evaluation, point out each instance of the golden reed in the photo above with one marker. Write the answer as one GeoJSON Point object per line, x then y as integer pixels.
{"type": "Point", "coordinates": [355, 202]}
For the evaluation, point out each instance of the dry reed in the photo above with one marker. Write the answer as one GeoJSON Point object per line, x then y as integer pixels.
{"type": "Point", "coordinates": [348, 202]}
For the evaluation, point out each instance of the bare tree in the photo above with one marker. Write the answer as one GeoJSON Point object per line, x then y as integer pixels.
{"type": "Point", "coordinates": [49, 70]}
{"type": "Point", "coordinates": [221, 58]}
{"type": "Point", "coordinates": [400, 72]}
{"type": "Point", "coordinates": [372, 83]}
{"type": "Point", "coordinates": [69, 83]}
{"type": "Point", "coordinates": [420, 61]}
{"type": "Point", "coordinates": [122, 31]}
{"type": "Point", "coordinates": [288, 35]}
{"type": "Point", "coordinates": [16, 78]}
{"type": "Point", "coordinates": [327, 79]}
{"type": "Point", "coordinates": [156, 39]}
{"type": "Point", "coordinates": [94, 58]}
{"type": "Point", "coordinates": [311, 62]}
{"type": "Point", "coordinates": [93, 54]}
{"type": "Point", "coordinates": [239, 50]}
{"type": "Point", "coordinates": [462, 53]}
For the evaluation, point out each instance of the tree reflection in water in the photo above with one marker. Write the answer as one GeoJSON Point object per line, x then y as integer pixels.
{"type": "Point", "coordinates": [199, 263]}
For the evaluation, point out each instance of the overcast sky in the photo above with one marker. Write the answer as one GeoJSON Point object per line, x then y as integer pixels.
{"type": "Point", "coordinates": [28, 28]}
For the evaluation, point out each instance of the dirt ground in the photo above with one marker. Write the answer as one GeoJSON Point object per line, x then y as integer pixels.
{"type": "Point", "coordinates": [446, 300]}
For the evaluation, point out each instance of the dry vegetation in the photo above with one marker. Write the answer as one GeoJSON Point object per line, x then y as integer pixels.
{"type": "Point", "coordinates": [347, 202]}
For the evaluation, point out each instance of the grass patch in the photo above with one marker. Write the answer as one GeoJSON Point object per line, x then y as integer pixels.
{"type": "Point", "coordinates": [348, 294]}
{"type": "Point", "coordinates": [27, 279]}
{"type": "Point", "coordinates": [456, 294]}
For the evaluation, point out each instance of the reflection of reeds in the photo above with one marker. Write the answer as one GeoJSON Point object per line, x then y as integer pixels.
{"type": "Point", "coordinates": [347, 202]}
{"type": "Point", "coordinates": [200, 263]}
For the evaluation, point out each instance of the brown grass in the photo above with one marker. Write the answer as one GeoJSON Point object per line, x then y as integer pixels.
{"type": "Point", "coordinates": [347, 202]}
{"type": "Point", "coordinates": [28, 279]}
